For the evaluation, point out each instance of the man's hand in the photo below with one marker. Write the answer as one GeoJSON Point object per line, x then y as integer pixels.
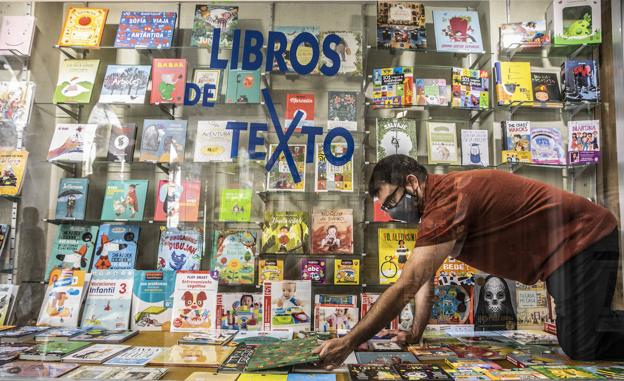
{"type": "Point", "coordinates": [404, 338]}
{"type": "Point", "coordinates": [333, 352]}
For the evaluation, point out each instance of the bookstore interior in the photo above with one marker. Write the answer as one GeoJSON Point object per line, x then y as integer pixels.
{"type": "Point", "coordinates": [184, 186]}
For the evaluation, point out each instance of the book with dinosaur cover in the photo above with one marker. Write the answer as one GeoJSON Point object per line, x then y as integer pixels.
{"type": "Point", "coordinates": [475, 147]}
{"type": "Point", "coordinates": [335, 314]}
{"type": "Point", "coordinates": [52, 351]}
{"type": "Point", "coordinates": [62, 299]}
{"type": "Point", "coordinates": [470, 88]}
{"type": "Point", "coordinates": [314, 270]}
{"type": "Point", "coordinates": [304, 52]}
{"type": "Point", "coordinates": [396, 136]}
{"type": "Point", "coordinates": [83, 27]}
{"type": "Point", "coordinates": [342, 110]}
{"type": "Point", "coordinates": [525, 34]}
{"type": "Point", "coordinates": [546, 90]}
{"type": "Point", "coordinates": [145, 30]}
{"type": "Point", "coordinates": [177, 201]}
{"type": "Point", "coordinates": [296, 103]}
{"type": "Point", "coordinates": [72, 143]}
{"type": "Point", "coordinates": [331, 178]}
{"type": "Point", "coordinates": [152, 300]}
{"type": "Point", "coordinates": [168, 80]}
{"type": "Point", "coordinates": [575, 22]}
{"type": "Point", "coordinates": [235, 205]}
{"type": "Point", "coordinates": [163, 141]}
{"type": "Point", "coordinates": [12, 172]}
{"type": "Point", "coordinates": [210, 17]}
{"type": "Point", "coordinates": [279, 178]}
{"type": "Point", "coordinates": [457, 30]}
{"type": "Point", "coordinates": [401, 25]}
{"type": "Point", "coordinates": [72, 248]}
{"type": "Point", "coordinates": [31, 369]}
{"type": "Point", "coordinates": [442, 143]}
{"type": "Point", "coordinates": [332, 231]}
{"type": "Point", "coordinates": [453, 304]}
{"type": "Point", "coordinates": [513, 82]}
{"type": "Point", "coordinates": [287, 305]}
{"type": "Point", "coordinates": [517, 140]}
{"type": "Point", "coordinates": [233, 256]}
{"type": "Point", "coordinates": [393, 86]}
{"type": "Point", "coordinates": [108, 300]}
{"type": "Point", "coordinates": [296, 351]}
{"type": "Point", "coordinates": [285, 232]}
{"type": "Point", "coordinates": [270, 270]}
{"type": "Point", "coordinates": [71, 200]}
{"type": "Point", "coordinates": [125, 84]}
{"type": "Point", "coordinates": [116, 247]}
{"type": "Point", "coordinates": [124, 200]}
{"type": "Point", "coordinates": [239, 310]}
{"type": "Point", "coordinates": [121, 143]}
{"type": "Point", "coordinates": [213, 141]}
{"type": "Point", "coordinates": [346, 271]}
{"type": "Point", "coordinates": [495, 303]}
{"type": "Point", "coordinates": [583, 141]}
{"type": "Point", "coordinates": [205, 356]}
{"type": "Point", "coordinates": [75, 81]}
{"type": "Point", "coordinates": [531, 305]}
{"type": "Point", "coordinates": [432, 92]}
{"type": "Point", "coordinates": [194, 301]}
{"type": "Point", "coordinates": [243, 86]}
{"type": "Point", "coordinates": [547, 146]}
{"type": "Point", "coordinates": [16, 99]}
{"type": "Point", "coordinates": [349, 48]}
{"type": "Point", "coordinates": [16, 34]}
{"type": "Point", "coordinates": [579, 81]}
{"type": "Point", "coordinates": [180, 249]}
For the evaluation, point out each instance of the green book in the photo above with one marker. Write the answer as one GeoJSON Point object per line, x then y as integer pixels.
{"type": "Point", "coordinates": [294, 352]}
{"type": "Point", "coordinates": [52, 350]}
{"type": "Point", "coordinates": [235, 205]}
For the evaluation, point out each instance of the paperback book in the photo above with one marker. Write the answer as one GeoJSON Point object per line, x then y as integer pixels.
{"type": "Point", "coordinates": [235, 205]}
{"type": "Point", "coordinates": [314, 270]}
{"type": "Point", "coordinates": [532, 305]}
{"type": "Point", "coordinates": [342, 110]}
{"type": "Point", "coordinates": [180, 249]}
{"type": "Point", "coordinates": [270, 270]}
{"type": "Point", "coordinates": [177, 201]}
{"type": "Point", "coordinates": [117, 373]}
{"type": "Point", "coordinates": [16, 34]}
{"type": "Point", "coordinates": [194, 301]}
{"type": "Point", "coordinates": [296, 351]}
{"type": "Point", "coordinates": [208, 18]}
{"type": "Point", "coordinates": [547, 146]}
{"type": "Point", "coordinates": [11, 352]}
{"type": "Point", "coordinates": [75, 81]}
{"type": "Point", "coordinates": [428, 352]}
{"type": "Point", "coordinates": [168, 80]}
{"type": "Point", "coordinates": [240, 311]}
{"type": "Point", "coordinates": [124, 200]}
{"type": "Point", "coordinates": [135, 356]}
{"type": "Point", "coordinates": [213, 142]}
{"type": "Point", "coordinates": [432, 92]}
{"type": "Point", "coordinates": [287, 305]}
{"type": "Point", "coordinates": [5, 230]}
{"type": "Point", "coordinates": [475, 147]}
{"type": "Point", "coordinates": [546, 90]}
{"type": "Point", "coordinates": [513, 83]}
{"type": "Point", "coordinates": [152, 300]}
{"type": "Point", "coordinates": [525, 34]}
{"type": "Point", "coordinates": [12, 172]}
{"type": "Point", "coordinates": [126, 84]}
{"type": "Point", "coordinates": [202, 77]}
{"type": "Point", "coordinates": [52, 351]}
{"type": "Point", "coordinates": [517, 141]}
{"type": "Point", "coordinates": [442, 143]}
{"type": "Point", "coordinates": [515, 374]}
{"type": "Point", "coordinates": [63, 298]}
{"type": "Point", "coordinates": [470, 88]}
{"type": "Point", "coordinates": [256, 338]}
{"type": "Point", "coordinates": [349, 49]}
{"type": "Point", "coordinates": [422, 372]}
{"type": "Point", "coordinates": [116, 247]}
{"type": "Point", "coordinates": [58, 334]}
{"type": "Point", "coordinates": [145, 30]}
{"type": "Point", "coordinates": [285, 232]}
{"type": "Point", "coordinates": [83, 27]}
{"type": "Point", "coordinates": [329, 177]}
{"type": "Point", "coordinates": [163, 141]}
{"type": "Point", "coordinates": [72, 248]}
{"type": "Point", "coordinates": [396, 136]}
{"type": "Point", "coordinates": [457, 31]}
{"type": "Point", "coordinates": [20, 334]}
{"type": "Point", "coordinates": [335, 315]}
{"type": "Point", "coordinates": [579, 81]}
{"type": "Point", "coordinates": [401, 25]}
{"type": "Point", "coordinates": [393, 86]}
{"type": "Point", "coordinates": [453, 304]}
{"type": "Point", "coordinates": [234, 253]}
{"type": "Point", "coordinates": [385, 358]}
{"type": "Point", "coordinates": [210, 337]}
{"type": "Point", "coordinates": [31, 369]}
{"type": "Point", "coordinates": [238, 360]}
{"type": "Point", "coordinates": [16, 99]}
{"type": "Point", "coordinates": [71, 200]}
{"type": "Point", "coordinates": [108, 299]}
{"type": "Point", "coordinates": [304, 53]}
{"type": "Point", "coordinates": [495, 303]}
{"type": "Point", "coordinates": [205, 356]}
{"type": "Point", "coordinates": [575, 22]}
{"type": "Point", "coordinates": [372, 372]}
{"type": "Point", "coordinates": [121, 143]}
{"type": "Point", "coordinates": [105, 336]}
{"type": "Point", "coordinates": [332, 231]}
{"type": "Point", "coordinates": [531, 337]}
{"type": "Point", "coordinates": [583, 141]}
{"type": "Point", "coordinates": [73, 143]}
{"type": "Point", "coordinates": [96, 354]}
{"type": "Point", "coordinates": [303, 103]}
{"type": "Point", "coordinates": [526, 360]}
{"type": "Point", "coordinates": [346, 271]}
{"type": "Point", "coordinates": [243, 86]}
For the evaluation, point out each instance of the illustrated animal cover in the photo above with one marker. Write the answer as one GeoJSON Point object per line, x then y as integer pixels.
{"type": "Point", "coordinates": [163, 141]}
{"type": "Point", "coordinates": [296, 351]}
{"type": "Point", "coordinates": [470, 88]}
{"type": "Point", "coordinates": [194, 301]}
{"type": "Point", "coordinates": [168, 80]}
{"type": "Point", "coordinates": [393, 86]}
{"type": "Point", "coordinates": [121, 143]}
{"type": "Point", "coordinates": [203, 77]}
{"type": "Point", "coordinates": [16, 99]}
{"type": "Point", "coordinates": [335, 315]}
{"type": "Point", "coordinates": [304, 53]}
{"type": "Point", "coordinates": [580, 81]}
{"type": "Point", "coordinates": [475, 147]}
{"type": "Point", "coordinates": [73, 143]}
{"type": "Point", "coordinates": [16, 34]}
{"type": "Point", "coordinates": [75, 81]}
{"type": "Point", "coordinates": [243, 86]}
{"type": "Point", "coordinates": [135, 356]}
{"type": "Point", "coordinates": [513, 82]}
{"type": "Point", "coordinates": [83, 27]}
{"type": "Point", "coordinates": [206, 356]}
{"type": "Point", "coordinates": [180, 249]}
{"type": "Point", "coordinates": [495, 303]}
{"type": "Point", "coordinates": [207, 19]}
{"type": "Point", "coordinates": [525, 34]}
{"type": "Point", "coordinates": [547, 146]}
{"type": "Point", "coordinates": [31, 369]}
{"type": "Point", "coordinates": [575, 22]}
{"type": "Point", "coordinates": [349, 49]}
{"type": "Point", "coordinates": [233, 256]}
{"type": "Point", "coordinates": [285, 232]}
{"type": "Point", "coordinates": [531, 305]}
{"type": "Point", "coordinates": [396, 136]}
{"type": "Point", "coordinates": [432, 92]}
{"type": "Point", "coordinates": [96, 354]}
{"type": "Point", "coordinates": [583, 141]}
{"type": "Point", "coordinates": [270, 270]}
{"type": "Point", "coordinates": [235, 205]}
{"type": "Point", "coordinates": [546, 90]}
{"type": "Point", "coordinates": [314, 270]}
{"type": "Point", "coordinates": [296, 103]}
{"type": "Point", "coordinates": [452, 304]}
{"type": "Point", "coordinates": [332, 231]}
{"type": "Point", "coordinates": [287, 305]}
{"type": "Point", "coordinates": [401, 25]}
{"type": "Point", "coordinates": [116, 247]}
{"type": "Point", "coordinates": [177, 202]}
{"type": "Point", "coordinates": [146, 30]}
{"type": "Point", "coordinates": [71, 199]}
{"type": "Point", "coordinates": [342, 110]}
{"type": "Point", "coordinates": [213, 142]}
{"type": "Point", "coordinates": [12, 172]}
{"type": "Point", "coordinates": [62, 299]}
{"type": "Point", "coordinates": [72, 248]}
{"type": "Point", "coordinates": [329, 177]}
{"type": "Point", "coordinates": [124, 200]}
{"type": "Point", "coordinates": [442, 139]}
{"type": "Point", "coordinates": [109, 299]}
{"type": "Point", "coordinates": [279, 178]}
{"type": "Point", "coordinates": [346, 271]}
{"type": "Point", "coordinates": [366, 372]}
{"type": "Point", "coordinates": [457, 31]}
{"type": "Point", "coordinates": [240, 310]}
{"type": "Point", "coordinates": [517, 139]}
{"type": "Point", "coordinates": [152, 300]}
{"type": "Point", "coordinates": [125, 84]}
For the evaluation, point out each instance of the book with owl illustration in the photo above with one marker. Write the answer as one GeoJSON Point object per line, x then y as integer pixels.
{"type": "Point", "coordinates": [243, 86]}
{"type": "Point", "coordinates": [75, 81]}
{"type": "Point", "coordinates": [71, 200]}
{"type": "Point", "coordinates": [72, 248]}
{"type": "Point", "coordinates": [83, 27]}
{"type": "Point", "coordinates": [16, 34]}
{"type": "Point", "coordinates": [116, 247]}
{"type": "Point", "coordinates": [152, 300]}
{"type": "Point", "coordinates": [209, 17]}
{"type": "Point", "coordinates": [147, 30]}
{"type": "Point", "coordinates": [180, 249]}
{"type": "Point", "coordinates": [125, 84]}
{"type": "Point", "coordinates": [239, 310]}
{"type": "Point", "coordinates": [233, 256]}
{"type": "Point", "coordinates": [121, 143]}
{"type": "Point", "coordinates": [108, 299]}
{"type": "Point", "coordinates": [177, 201]}
{"type": "Point", "coordinates": [442, 143]}
{"type": "Point", "coordinates": [287, 305]}
{"type": "Point", "coordinates": [168, 80]}
{"type": "Point", "coordinates": [124, 200]}
{"type": "Point", "coordinates": [163, 141]}
{"type": "Point", "coordinates": [62, 298]}
{"type": "Point", "coordinates": [396, 136]}
{"type": "Point", "coordinates": [458, 31]}
{"type": "Point", "coordinates": [285, 232]}
{"type": "Point", "coordinates": [401, 25]}
{"type": "Point", "coordinates": [475, 147]}
{"type": "Point", "coordinates": [495, 303]}
{"type": "Point", "coordinates": [194, 301]}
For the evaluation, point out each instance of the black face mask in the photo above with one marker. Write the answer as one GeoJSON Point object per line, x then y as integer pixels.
{"type": "Point", "coordinates": [406, 210]}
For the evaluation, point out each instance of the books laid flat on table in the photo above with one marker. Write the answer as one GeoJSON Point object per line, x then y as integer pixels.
{"type": "Point", "coordinates": [53, 350]}
{"type": "Point", "coordinates": [31, 369]}
{"type": "Point", "coordinates": [96, 335]}
{"type": "Point", "coordinates": [116, 373]}
{"type": "Point", "coordinates": [10, 352]}
{"type": "Point", "coordinates": [297, 351]}
{"type": "Point", "coordinates": [211, 356]}
{"type": "Point", "coordinates": [211, 337]}
{"type": "Point", "coordinates": [96, 354]}
{"type": "Point", "coordinates": [135, 356]}
{"type": "Point", "coordinates": [21, 334]}
{"type": "Point", "coordinates": [58, 334]}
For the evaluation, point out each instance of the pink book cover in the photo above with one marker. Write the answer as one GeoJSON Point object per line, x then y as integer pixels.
{"type": "Point", "coordinates": [16, 34]}
{"type": "Point", "coordinates": [168, 80]}
{"type": "Point", "coordinates": [178, 201]}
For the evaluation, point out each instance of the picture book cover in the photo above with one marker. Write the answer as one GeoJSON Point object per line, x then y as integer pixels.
{"type": "Point", "coordinates": [475, 147]}
{"type": "Point", "coordinates": [12, 171]}
{"type": "Point", "coordinates": [168, 80]}
{"type": "Point", "coordinates": [235, 205]}
{"type": "Point", "coordinates": [349, 49]}
{"type": "Point", "coordinates": [547, 146]}
{"type": "Point", "coordinates": [314, 270]}
{"type": "Point", "coordinates": [383, 345]}
{"type": "Point", "coordinates": [108, 300]}
{"type": "Point", "coordinates": [515, 374]}
{"type": "Point", "coordinates": [11, 352]}
{"type": "Point", "coordinates": [525, 34]}
{"type": "Point", "coordinates": [431, 352]}
{"type": "Point", "coordinates": [209, 17]}
{"type": "Point", "coordinates": [346, 271]}
{"type": "Point", "coordinates": [296, 103]}
{"type": "Point", "coordinates": [495, 303]}
{"type": "Point", "coordinates": [16, 34]}
{"type": "Point", "coordinates": [304, 53]}
{"type": "Point", "coordinates": [270, 270]}
{"type": "Point", "coordinates": [422, 372]}
{"type": "Point", "coordinates": [513, 82]}
{"type": "Point", "coordinates": [194, 301]}
{"type": "Point", "coordinates": [431, 91]}
{"type": "Point", "coordinates": [58, 334]}
{"type": "Point", "coordinates": [163, 141]}
{"type": "Point", "coordinates": [385, 358]}
{"type": "Point", "coordinates": [335, 317]}
{"type": "Point", "coordinates": [454, 271]}
{"type": "Point", "coordinates": [401, 25]}
{"type": "Point", "coordinates": [470, 88]}
{"type": "Point", "coordinates": [457, 31]}
{"type": "Point", "coordinates": [213, 141]}
{"type": "Point", "coordinates": [177, 202]}
{"type": "Point", "coordinates": [180, 249]}
{"type": "Point", "coordinates": [16, 99]}
{"type": "Point", "coordinates": [483, 350]}
{"type": "Point", "coordinates": [526, 360]}
{"type": "Point", "coordinates": [517, 139]}
{"type": "Point", "coordinates": [373, 372]}
{"type": "Point", "coordinates": [580, 82]}
{"type": "Point", "coordinates": [287, 305]}
{"type": "Point", "coordinates": [104, 336]}
{"type": "Point", "coordinates": [52, 351]}
{"type": "Point", "coordinates": [531, 305]}
{"type": "Point", "coordinates": [124, 200]}
{"type": "Point", "coordinates": [396, 136]}
{"type": "Point", "coordinates": [583, 141]}
{"type": "Point", "coordinates": [210, 337]}
{"type": "Point", "coordinates": [452, 304]}
{"type": "Point", "coordinates": [116, 247]}
{"type": "Point", "coordinates": [456, 364]}
{"type": "Point", "coordinates": [120, 373]}
{"type": "Point", "coordinates": [342, 110]}
{"type": "Point", "coordinates": [331, 178]}
{"type": "Point", "coordinates": [121, 143]}
{"type": "Point", "coordinates": [296, 351]}
{"type": "Point", "coordinates": [279, 178]}
{"type": "Point", "coordinates": [243, 86]}
{"type": "Point", "coordinates": [73, 143]}
{"type": "Point", "coordinates": [31, 369]}
{"type": "Point", "coordinates": [125, 84]}
{"type": "Point", "coordinates": [135, 356]}
{"type": "Point", "coordinates": [240, 310]}
{"type": "Point", "coordinates": [531, 337]}
{"type": "Point", "coordinates": [575, 22]}
{"type": "Point", "coordinates": [561, 372]}
{"type": "Point", "coordinates": [208, 356]}
{"type": "Point", "coordinates": [72, 248]}
{"type": "Point", "coordinates": [146, 30]}
{"type": "Point", "coordinates": [285, 232]}
{"type": "Point", "coordinates": [71, 200]}
{"type": "Point", "coordinates": [393, 86]}
{"type": "Point", "coordinates": [75, 81]}
{"type": "Point", "coordinates": [442, 143]}
{"type": "Point", "coordinates": [256, 338]}
{"type": "Point", "coordinates": [83, 27]}
{"type": "Point", "coordinates": [96, 354]}
{"type": "Point", "coordinates": [152, 300]}
{"type": "Point", "coordinates": [233, 256]}
{"type": "Point", "coordinates": [332, 231]}
{"type": "Point", "coordinates": [5, 230]}
{"type": "Point", "coordinates": [203, 77]}
{"type": "Point", "coordinates": [546, 90]}
{"type": "Point", "coordinates": [62, 299]}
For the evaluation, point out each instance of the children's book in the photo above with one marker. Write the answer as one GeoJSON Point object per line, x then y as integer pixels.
{"type": "Point", "coordinates": [52, 351]}
{"type": "Point", "coordinates": [235, 205]}
{"type": "Point", "coordinates": [346, 271]}
{"type": "Point", "coordinates": [256, 338]}
{"type": "Point", "coordinates": [383, 345]}
{"type": "Point", "coordinates": [432, 92]}
{"type": "Point", "coordinates": [396, 136]}
{"type": "Point", "coordinates": [194, 301]}
{"type": "Point", "coordinates": [393, 86]}
{"type": "Point", "coordinates": [135, 356]}
{"type": "Point", "coordinates": [579, 81]}
{"type": "Point", "coordinates": [329, 177]}
{"type": "Point", "coordinates": [547, 146]}
{"type": "Point", "coordinates": [531, 337]}
{"type": "Point", "coordinates": [526, 360]}
{"type": "Point", "coordinates": [203, 76]}
{"type": "Point", "coordinates": [163, 141]}
{"type": "Point", "coordinates": [243, 86]}
{"type": "Point", "coordinates": [456, 364]}
{"type": "Point", "coordinates": [428, 352]}
{"type": "Point", "coordinates": [75, 81]}
{"type": "Point", "coordinates": [285, 232]}
{"type": "Point", "coordinates": [83, 27]}
{"type": "Point", "coordinates": [442, 143]}
{"type": "Point", "coordinates": [109, 299]}
{"type": "Point", "coordinates": [515, 374]}
{"type": "Point", "coordinates": [525, 34]}
{"type": "Point", "coordinates": [116, 247]}
{"type": "Point", "coordinates": [210, 337]}
{"type": "Point", "coordinates": [11, 352]}
{"type": "Point", "coordinates": [270, 270]}
{"type": "Point", "coordinates": [332, 231]}
{"type": "Point", "coordinates": [610, 371]}
{"type": "Point", "coordinates": [210, 17]}
{"type": "Point", "coordinates": [168, 80]}
{"type": "Point", "coordinates": [546, 90]}
{"type": "Point", "coordinates": [457, 30]}
{"type": "Point", "coordinates": [517, 140]}
{"type": "Point", "coordinates": [342, 110]}
{"type": "Point", "coordinates": [575, 22]}
{"type": "Point", "coordinates": [105, 336]}
{"type": "Point", "coordinates": [12, 172]}
{"type": "Point", "coordinates": [72, 248]}
{"type": "Point", "coordinates": [455, 272]}
{"type": "Point", "coordinates": [475, 147]}
{"type": "Point", "coordinates": [470, 88]}
{"type": "Point", "coordinates": [205, 356]}
{"type": "Point", "coordinates": [180, 249]}
{"type": "Point", "coordinates": [452, 304]}
{"type": "Point", "coordinates": [125, 84]}
{"type": "Point", "coordinates": [71, 200]}
{"type": "Point", "coordinates": [16, 99]}
{"type": "Point", "coordinates": [96, 354]}
{"type": "Point", "coordinates": [349, 49]}
{"type": "Point", "coordinates": [287, 305]}
{"type": "Point", "coordinates": [73, 143]}
{"type": "Point", "coordinates": [583, 141]}
{"type": "Point", "coordinates": [124, 200]}
{"type": "Point", "coordinates": [395, 247]}
{"type": "Point", "coordinates": [386, 358]}
{"type": "Point", "coordinates": [314, 270]}
{"type": "Point", "coordinates": [121, 143]}
{"type": "Point", "coordinates": [146, 30]}
{"type": "Point", "coordinates": [279, 178]}
{"type": "Point", "coordinates": [303, 103]}
{"type": "Point", "coordinates": [401, 25]}
{"type": "Point", "coordinates": [495, 303]}
{"type": "Point", "coordinates": [62, 299]}
{"type": "Point", "coordinates": [212, 376]}
{"type": "Point", "coordinates": [117, 373]}
{"type": "Point", "coordinates": [152, 300]}
{"type": "Point", "coordinates": [238, 360]}
{"type": "Point", "coordinates": [304, 53]}
{"type": "Point", "coordinates": [31, 369]}
{"type": "Point", "coordinates": [233, 256]}
{"type": "Point", "coordinates": [513, 82]}
{"type": "Point", "coordinates": [21, 334]}
{"type": "Point", "coordinates": [58, 334]}
{"type": "Point", "coordinates": [213, 141]}
{"type": "Point", "coordinates": [422, 372]}
{"type": "Point", "coordinates": [335, 315]}
{"type": "Point", "coordinates": [373, 372]}
{"type": "Point", "coordinates": [177, 201]}
{"type": "Point", "coordinates": [296, 351]}
{"type": "Point", "coordinates": [532, 305]}
{"type": "Point", "coordinates": [16, 34]}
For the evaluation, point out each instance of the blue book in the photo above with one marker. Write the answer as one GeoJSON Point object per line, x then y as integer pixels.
{"type": "Point", "coordinates": [152, 300]}
{"type": "Point", "coordinates": [116, 247]}
{"type": "Point", "coordinates": [72, 248]}
{"type": "Point", "coordinates": [108, 300]}
{"type": "Point", "coordinates": [180, 250]}
{"type": "Point", "coordinates": [579, 79]}
{"type": "Point", "coordinates": [457, 30]}
{"type": "Point", "coordinates": [163, 141]}
{"type": "Point", "coordinates": [71, 201]}
{"type": "Point", "coordinates": [243, 86]}
{"type": "Point", "coordinates": [149, 30]}
{"type": "Point", "coordinates": [124, 200]}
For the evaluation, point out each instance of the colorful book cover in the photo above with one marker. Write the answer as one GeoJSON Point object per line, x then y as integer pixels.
{"type": "Point", "coordinates": [457, 364]}
{"type": "Point", "coordinates": [243, 86]}
{"type": "Point", "coordinates": [442, 143]}
{"type": "Point", "coordinates": [563, 372]}
{"type": "Point", "coordinates": [422, 372]}
{"type": "Point", "coordinates": [347, 271]}
{"type": "Point", "coordinates": [279, 178]}
{"type": "Point", "coordinates": [583, 141]}
{"type": "Point", "coordinates": [194, 301]}
{"type": "Point", "coordinates": [372, 372]}
{"type": "Point", "coordinates": [455, 272]}
{"type": "Point", "coordinates": [314, 270]}
{"type": "Point", "coordinates": [31, 369]}
{"type": "Point", "coordinates": [329, 177]}
{"type": "Point", "coordinates": [531, 337]}
{"type": "Point", "coordinates": [121, 143]}
{"type": "Point", "coordinates": [270, 270]}
{"type": "Point", "coordinates": [526, 360]}
{"type": "Point", "coordinates": [124, 200]}
{"type": "Point", "coordinates": [495, 303]}
{"type": "Point", "coordinates": [125, 84]}
{"type": "Point", "coordinates": [342, 110]}
{"type": "Point", "coordinates": [368, 300]}
{"type": "Point", "coordinates": [296, 103]}
{"type": "Point", "coordinates": [393, 86]}
{"type": "Point", "coordinates": [152, 300]}
{"type": "Point", "coordinates": [234, 253]}
{"type": "Point", "coordinates": [475, 147]}
{"type": "Point", "coordinates": [16, 34]}
{"type": "Point", "coordinates": [349, 49]}
{"type": "Point", "coordinates": [72, 248]}
{"type": "Point", "coordinates": [116, 373]}
{"type": "Point", "coordinates": [213, 142]}
{"type": "Point", "coordinates": [517, 139]}
{"type": "Point", "coordinates": [12, 172]}
{"type": "Point", "coordinates": [105, 336]}
{"type": "Point", "coordinates": [62, 299]}
{"type": "Point", "coordinates": [387, 358]}
{"type": "Point", "coordinates": [209, 17]}
{"type": "Point", "coordinates": [531, 305]}
{"type": "Point", "coordinates": [71, 200]}
{"type": "Point", "coordinates": [235, 205]}
{"type": "Point", "coordinates": [11, 352]}
{"type": "Point", "coordinates": [396, 136]}
{"type": "Point", "coordinates": [73, 143]}
{"type": "Point", "coordinates": [610, 371]}
{"type": "Point", "coordinates": [513, 82]}
{"type": "Point", "coordinates": [177, 202]}
{"type": "Point", "coordinates": [332, 231]}
{"type": "Point", "coordinates": [546, 90]}
{"type": "Point", "coordinates": [432, 92]}
{"type": "Point", "coordinates": [575, 22]}
{"type": "Point", "coordinates": [401, 25]}
{"type": "Point", "coordinates": [287, 305]}
{"type": "Point", "coordinates": [296, 351]}
{"type": "Point", "coordinates": [547, 146]}
{"type": "Point", "coordinates": [203, 77]}
{"type": "Point", "coordinates": [180, 249]}
{"type": "Point", "coordinates": [457, 31]}
{"type": "Point", "coordinates": [515, 374]}
{"type": "Point", "coordinates": [168, 80]}
{"type": "Point", "coordinates": [83, 27]}
{"type": "Point", "coordinates": [163, 141]}
{"type": "Point", "coordinates": [210, 337]}
{"type": "Point", "coordinates": [109, 299]}
{"type": "Point", "coordinates": [210, 356]}
{"type": "Point", "coordinates": [579, 79]}
{"type": "Point", "coordinates": [304, 53]}
{"type": "Point", "coordinates": [147, 30]}
{"type": "Point", "coordinates": [452, 304]}
{"type": "Point", "coordinates": [135, 356]}
{"type": "Point", "coordinates": [116, 247]}
{"type": "Point", "coordinates": [96, 354]}
{"type": "Point", "coordinates": [285, 232]}
{"type": "Point", "coordinates": [16, 99]}
{"type": "Point", "coordinates": [525, 34]}
{"type": "Point", "coordinates": [58, 334]}
{"type": "Point", "coordinates": [256, 338]}
{"type": "Point", "coordinates": [470, 88]}
{"type": "Point", "coordinates": [75, 81]}
{"type": "Point", "coordinates": [239, 310]}
{"type": "Point", "coordinates": [426, 352]}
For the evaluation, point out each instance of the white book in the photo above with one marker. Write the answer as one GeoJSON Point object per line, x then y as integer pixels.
{"type": "Point", "coordinates": [287, 305]}
{"type": "Point", "coordinates": [16, 35]}
{"type": "Point", "coordinates": [135, 356]}
{"type": "Point", "coordinates": [213, 141]}
{"type": "Point", "coordinates": [63, 298]}
{"type": "Point", "coordinates": [475, 148]}
{"type": "Point", "coordinates": [96, 353]}
{"type": "Point", "coordinates": [108, 300]}
{"type": "Point", "coordinates": [194, 301]}
{"type": "Point", "coordinates": [442, 139]}
{"type": "Point", "coordinates": [73, 143]}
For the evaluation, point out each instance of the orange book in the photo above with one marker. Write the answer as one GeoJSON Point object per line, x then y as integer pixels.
{"type": "Point", "coordinates": [83, 27]}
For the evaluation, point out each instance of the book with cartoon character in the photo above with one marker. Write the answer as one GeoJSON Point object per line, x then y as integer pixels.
{"type": "Point", "coordinates": [16, 34]}
{"type": "Point", "coordinates": [233, 256]}
{"type": "Point", "coordinates": [194, 301]}
{"type": "Point", "coordinates": [547, 145]}
{"type": "Point", "coordinates": [442, 143]}
{"type": "Point", "coordinates": [475, 149]}
{"type": "Point", "coordinates": [243, 86]}
{"type": "Point", "coordinates": [583, 141]}
{"type": "Point", "coordinates": [516, 140]}
{"type": "Point", "coordinates": [12, 172]}
{"type": "Point", "coordinates": [280, 178]}
{"type": "Point", "coordinates": [580, 81]}
{"type": "Point", "coordinates": [346, 271]}
{"type": "Point", "coordinates": [401, 25]}
{"type": "Point", "coordinates": [270, 269]}
{"type": "Point", "coordinates": [314, 270]}
{"type": "Point", "coordinates": [152, 300]}
{"type": "Point", "coordinates": [457, 31]}
{"type": "Point", "coordinates": [235, 205]}
{"type": "Point", "coordinates": [470, 88]}
{"type": "Point", "coordinates": [124, 200]}
{"type": "Point", "coordinates": [349, 49]}
{"type": "Point", "coordinates": [116, 247]}
{"type": "Point", "coordinates": [453, 304]}
{"type": "Point", "coordinates": [329, 177]}
{"type": "Point", "coordinates": [396, 136]}
{"type": "Point", "coordinates": [513, 83]}
{"type": "Point", "coordinates": [108, 299]}
{"type": "Point", "coordinates": [71, 200]}
{"type": "Point", "coordinates": [163, 141]}
{"type": "Point", "coordinates": [83, 27]}
{"type": "Point", "coordinates": [287, 305]}
{"type": "Point", "coordinates": [285, 232]}
{"type": "Point", "coordinates": [62, 299]}
{"type": "Point", "coordinates": [73, 143]}
{"type": "Point", "coordinates": [303, 102]}
{"type": "Point", "coordinates": [525, 34]}
{"type": "Point", "coordinates": [177, 201]}
{"type": "Point", "coordinates": [239, 310]}
{"type": "Point", "coordinates": [16, 99]}
{"type": "Point", "coordinates": [147, 30]}
{"type": "Point", "coordinates": [180, 249]}
{"type": "Point", "coordinates": [168, 80]}
{"type": "Point", "coordinates": [332, 231]}
{"type": "Point", "coordinates": [75, 81]}
{"type": "Point", "coordinates": [72, 248]}
{"type": "Point", "coordinates": [207, 19]}
{"type": "Point", "coordinates": [575, 22]}
{"type": "Point", "coordinates": [395, 247]}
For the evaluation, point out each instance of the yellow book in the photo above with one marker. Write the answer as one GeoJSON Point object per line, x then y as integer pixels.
{"type": "Point", "coordinates": [262, 377]}
{"type": "Point", "coordinates": [347, 271]}
{"type": "Point", "coordinates": [210, 356]}
{"type": "Point", "coordinates": [395, 246]}
{"type": "Point", "coordinates": [270, 269]}
{"type": "Point", "coordinates": [514, 157]}
{"type": "Point", "coordinates": [12, 170]}
{"type": "Point", "coordinates": [83, 27]}
{"type": "Point", "coordinates": [210, 376]}
{"type": "Point", "coordinates": [513, 82]}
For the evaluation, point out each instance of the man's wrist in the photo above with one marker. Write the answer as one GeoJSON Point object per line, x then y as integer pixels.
{"type": "Point", "coordinates": [351, 341]}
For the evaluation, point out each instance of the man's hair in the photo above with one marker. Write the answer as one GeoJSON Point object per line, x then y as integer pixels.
{"type": "Point", "coordinates": [393, 170]}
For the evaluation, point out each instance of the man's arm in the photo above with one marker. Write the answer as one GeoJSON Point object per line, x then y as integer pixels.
{"type": "Point", "coordinates": [422, 310]}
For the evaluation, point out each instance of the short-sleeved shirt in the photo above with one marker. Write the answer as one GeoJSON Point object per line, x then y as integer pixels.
{"type": "Point", "coordinates": [509, 225]}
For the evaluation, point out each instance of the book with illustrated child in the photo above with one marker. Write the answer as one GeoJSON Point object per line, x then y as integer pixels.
{"type": "Point", "coordinates": [287, 305]}
{"type": "Point", "coordinates": [395, 247]}
{"type": "Point", "coordinates": [108, 299]}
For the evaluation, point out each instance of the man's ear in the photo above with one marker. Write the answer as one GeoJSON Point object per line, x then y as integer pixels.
{"type": "Point", "coordinates": [412, 180]}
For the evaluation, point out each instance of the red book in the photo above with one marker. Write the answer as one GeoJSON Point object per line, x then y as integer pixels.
{"type": "Point", "coordinates": [378, 214]}
{"type": "Point", "coordinates": [168, 80]}
{"type": "Point", "coordinates": [177, 201]}
{"type": "Point", "coordinates": [299, 102]}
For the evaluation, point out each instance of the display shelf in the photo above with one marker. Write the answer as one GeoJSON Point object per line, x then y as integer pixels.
{"type": "Point", "coordinates": [81, 52]}
{"type": "Point", "coordinates": [570, 109]}
{"type": "Point", "coordinates": [309, 195]}
{"type": "Point", "coordinates": [236, 224]}
{"type": "Point", "coordinates": [547, 51]}
{"type": "Point", "coordinates": [311, 255]}
{"type": "Point", "coordinates": [575, 170]}
{"type": "Point", "coordinates": [90, 221]}
{"type": "Point", "coordinates": [72, 167]}
{"type": "Point", "coordinates": [15, 62]}
{"type": "Point", "coordinates": [123, 110]}
{"type": "Point", "coordinates": [10, 198]}
{"type": "Point", "coordinates": [435, 112]}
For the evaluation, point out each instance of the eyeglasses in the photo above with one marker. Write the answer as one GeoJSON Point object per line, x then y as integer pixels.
{"type": "Point", "coordinates": [390, 203]}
